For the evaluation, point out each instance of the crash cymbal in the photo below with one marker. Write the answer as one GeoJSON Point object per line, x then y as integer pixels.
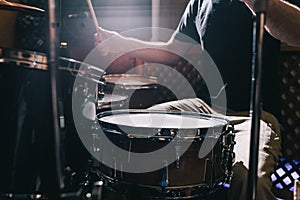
{"type": "Point", "coordinates": [5, 5]}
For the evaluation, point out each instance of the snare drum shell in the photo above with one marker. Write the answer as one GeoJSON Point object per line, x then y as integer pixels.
{"type": "Point", "coordinates": [190, 171]}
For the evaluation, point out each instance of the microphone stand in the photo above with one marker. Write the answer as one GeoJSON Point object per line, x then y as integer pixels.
{"type": "Point", "coordinates": [260, 7]}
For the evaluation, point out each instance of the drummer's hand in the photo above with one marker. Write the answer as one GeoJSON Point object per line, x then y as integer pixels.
{"type": "Point", "coordinates": [102, 35]}
{"type": "Point", "coordinates": [116, 44]}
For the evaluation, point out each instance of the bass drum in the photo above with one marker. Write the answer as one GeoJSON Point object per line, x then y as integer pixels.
{"type": "Point", "coordinates": [198, 154]}
{"type": "Point", "coordinates": [27, 162]}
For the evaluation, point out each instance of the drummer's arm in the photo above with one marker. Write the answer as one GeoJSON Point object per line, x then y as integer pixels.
{"type": "Point", "coordinates": [154, 52]}
{"type": "Point", "coordinates": [282, 20]}
{"type": "Point", "coordinates": [159, 52]}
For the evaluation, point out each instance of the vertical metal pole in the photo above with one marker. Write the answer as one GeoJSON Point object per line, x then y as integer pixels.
{"type": "Point", "coordinates": [255, 107]}
{"type": "Point", "coordinates": [52, 63]}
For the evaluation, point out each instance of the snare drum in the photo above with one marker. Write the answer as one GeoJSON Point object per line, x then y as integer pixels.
{"type": "Point", "coordinates": [140, 90]}
{"type": "Point", "coordinates": [183, 174]}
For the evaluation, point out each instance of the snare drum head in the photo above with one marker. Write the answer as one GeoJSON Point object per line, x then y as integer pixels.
{"type": "Point", "coordinates": [144, 122]}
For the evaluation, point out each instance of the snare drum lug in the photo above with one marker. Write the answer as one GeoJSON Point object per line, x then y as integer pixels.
{"type": "Point", "coordinates": [101, 95]}
{"type": "Point", "coordinates": [115, 168]}
{"type": "Point", "coordinates": [165, 176]}
{"type": "Point", "coordinates": [96, 126]}
{"type": "Point", "coordinates": [228, 176]}
{"type": "Point", "coordinates": [121, 172]}
{"type": "Point", "coordinates": [177, 154]}
{"type": "Point", "coordinates": [96, 149]}
{"type": "Point", "coordinates": [228, 156]}
{"type": "Point", "coordinates": [230, 128]}
{"type": "Point", "coordinates": [129, 151]}
{"type": "Point", "coordinates": [85, 90]}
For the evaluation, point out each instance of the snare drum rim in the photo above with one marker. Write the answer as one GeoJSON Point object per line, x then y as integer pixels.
{"type": "Point", "coordinates": [114, 128]}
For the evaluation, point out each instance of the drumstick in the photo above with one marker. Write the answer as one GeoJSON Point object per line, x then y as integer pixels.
{"type": "Point", "coordinates": [96, 24]}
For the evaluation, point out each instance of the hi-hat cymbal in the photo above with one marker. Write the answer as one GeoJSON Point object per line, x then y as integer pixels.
{"type": "Point", "coordinates": [5, 5]}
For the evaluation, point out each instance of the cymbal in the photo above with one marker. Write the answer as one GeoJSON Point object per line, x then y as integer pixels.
{"type": "Point", "coordinates": [5, 5]}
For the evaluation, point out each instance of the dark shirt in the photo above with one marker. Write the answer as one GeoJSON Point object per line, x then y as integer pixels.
{"type": "Point", "coordinates": [224, 29]}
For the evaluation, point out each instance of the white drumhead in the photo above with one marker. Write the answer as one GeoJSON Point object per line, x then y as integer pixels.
{"type": "Point", "coordinates": [162, 120]}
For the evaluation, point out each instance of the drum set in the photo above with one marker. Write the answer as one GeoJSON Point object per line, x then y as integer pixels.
{"type": "Point", "coordinates": [117, 150]}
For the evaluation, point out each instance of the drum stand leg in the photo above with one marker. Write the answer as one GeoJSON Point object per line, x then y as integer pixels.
{"type": "Point", "coordinates": [93, 182]}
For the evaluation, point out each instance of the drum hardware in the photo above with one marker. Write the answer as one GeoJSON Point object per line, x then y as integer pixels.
{"type": "Point", "coordinates": [91, 187]}
{"type": "Point", "coordinates": [165, 175]}
{"type": "Point", "coordinates": [92, 184]}
{"type": "Point", "coordinates": [177, 154]}
{"type": "Point", "coordinates": [101, 93]}
{"type": "Point", "coordinates": [228, 156]}
{"type": "Point", "coordinates": [5, 5]}
{"type": "Point", "coordinates": [258, 30]}
{"type": "Point", "coordinates": [114, 171]}
{"type": "Point", "coordinates": [69, 177]}
{"type": "Point", "coordinates": [97, 190]}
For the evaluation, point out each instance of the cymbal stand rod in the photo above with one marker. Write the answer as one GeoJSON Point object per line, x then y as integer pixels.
{"type": "Point", "coordinates": [52, 63]}
{"type": "Point", "coordinates": [255, 101]}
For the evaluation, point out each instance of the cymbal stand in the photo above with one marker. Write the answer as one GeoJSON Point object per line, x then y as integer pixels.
{"type": "Point", "coordinates": [255, 104]}
{"type": "Point", "coordinates": [58, 117]}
